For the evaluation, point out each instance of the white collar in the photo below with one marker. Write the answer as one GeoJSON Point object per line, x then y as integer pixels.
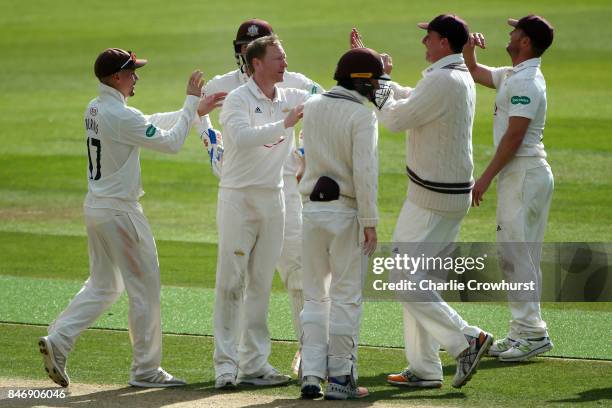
{"type": "Point", "coordinates": [353, 93]}
{"type": "Point", "coordinates": [442, 62]}
{"type": "Point", "coordinates": [111, 92]}
{"type": "Point", "coordinates": [258, 93]}
{"type": "Point", "coordinates": [242, 77]}
{"type": "Point", "coordinates": [532, 62]}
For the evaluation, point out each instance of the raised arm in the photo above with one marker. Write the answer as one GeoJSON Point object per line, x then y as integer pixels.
{"type": "Point", "coordinates": [355, 39]}
{"type": "Point", "coordinates": [136, 129]}
{"type": "Point", "coordinates": [425, 103]}
{"type": "Point", "coordinates": [480, 73]}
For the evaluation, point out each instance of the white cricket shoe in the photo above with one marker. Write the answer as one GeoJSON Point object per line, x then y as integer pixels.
{"type": "Point", "coordinates": [273, 377]}
{"type": "Point", "coordinates": [161, 379]}
{"type": "Point", "coordinates": [500, 346]}
{"type": "Point", "coordinates": [408, 379]}
{"type": "Point", "coordinates": [55, 362]}
{"type": "Point", "coordinates": [225, 381]}
{"type": "Point", "coordinates": [311, 387]}
{"type": "Point", "coordinates": [337, 390]}
{"type": "Point", "coordinates": [468, 360]}
{"type": "Point", "coordinates": [525, 349]}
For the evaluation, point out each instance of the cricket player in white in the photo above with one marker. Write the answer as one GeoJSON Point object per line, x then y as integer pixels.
{"type": "Point", "coordinates": [257, 119]}
{"type": "Point", "coordinates": [437, 115]}
{"type": "Point", "coordinates": [290, 262]}
{"type": "Point", "coordinates": [339, 190]}
{"type": "Point", "coordinates": [525, 183]}
{"type": "Point", "coordinates": [122, 251]}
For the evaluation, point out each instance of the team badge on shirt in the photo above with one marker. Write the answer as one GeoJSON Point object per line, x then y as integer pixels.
{"type": "Point", "coordinates": [257, 110]}
{"type": "Point", "coordinates": [523, 100]}
{"type": "Point", "coordinates": [151, 131]}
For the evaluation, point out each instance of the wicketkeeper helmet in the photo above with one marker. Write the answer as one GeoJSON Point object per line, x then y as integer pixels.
{"type": "Point", "coordinates": [248, 31]}
{"type": "Point", "coordinates": [362, 70]}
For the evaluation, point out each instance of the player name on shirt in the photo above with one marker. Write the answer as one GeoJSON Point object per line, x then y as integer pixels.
{"type": "Point", "coordinates": [91, 124]}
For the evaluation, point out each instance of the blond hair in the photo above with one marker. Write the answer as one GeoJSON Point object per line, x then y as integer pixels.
{"type": "Point", "coordinates": [258, 48]}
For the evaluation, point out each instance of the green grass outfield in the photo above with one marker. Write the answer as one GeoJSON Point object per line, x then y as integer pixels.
{"type": "Point", "coordinates": [106, 354]}
{"type": "Point", "coordinates": [46, 80]}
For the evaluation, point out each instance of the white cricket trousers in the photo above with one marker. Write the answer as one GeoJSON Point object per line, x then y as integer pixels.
{"type": "Point", "coordinates": [333, 281]}
{"type": "Point", "coordinates": [250, 222]}
{"type": "Point", "coordinates": [122, 254]}
{"type": "Point", "coordinates": [427, 325]}
{"type": "Point", "coordinates": [290, 263]}
{"type": "Point", "coordinates": [524, 194]}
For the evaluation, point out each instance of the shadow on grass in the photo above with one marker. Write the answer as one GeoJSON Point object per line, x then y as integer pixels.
{"type": "Point", "coordinates": [203, 394]}
{"type": "Point", "coordinates": [398, 393]}
{"type": "Point", "coordinates": [448, 369]}
{"type": "Point", "coordinates": [395, 393]}
{"type": "Point", "coordinates": [596, 394]}
{"type": "Point", "coordinates": [490, 363]}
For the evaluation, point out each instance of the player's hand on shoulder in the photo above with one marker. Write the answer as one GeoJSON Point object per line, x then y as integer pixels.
{"type": "Point", "coordinates": [208, 103]}
{"type": "Point", "coordinates": [294, 116]}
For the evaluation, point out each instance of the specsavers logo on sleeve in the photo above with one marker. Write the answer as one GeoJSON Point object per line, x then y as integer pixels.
{"type": "Point", "coordinates": [151, 131]}
{"type": "Point", "coordinates": [523, 100]}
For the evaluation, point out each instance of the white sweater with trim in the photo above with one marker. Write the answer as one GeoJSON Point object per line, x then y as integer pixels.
{"type": "Point", "coordinates": [341, 142]}
{"type": "Point", "coordinates": [437, 116]}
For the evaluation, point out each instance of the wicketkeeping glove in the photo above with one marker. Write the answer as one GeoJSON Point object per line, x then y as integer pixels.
{"type": "Point", "coordinates": [212, 140]}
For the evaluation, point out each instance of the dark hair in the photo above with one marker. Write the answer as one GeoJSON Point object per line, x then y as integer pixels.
{"type": "Point", "coordinates": [347, 83]}
{"type": "Point", "coordinates": [107, 80]}
{"type": "Point", "coordinates": [539, 31]}
{"type": "Point", "coordinates": [455, 45]}
{"type": "Point", "coordinates": [535, 50]}
{"type": "Point", "coordinates": [451, 27]}
{"type": "Point", "coordinates": [257, 49]}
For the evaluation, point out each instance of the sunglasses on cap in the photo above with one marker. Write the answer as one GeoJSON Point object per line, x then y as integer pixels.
{"type": "Point", "coordinates": [131, 59]}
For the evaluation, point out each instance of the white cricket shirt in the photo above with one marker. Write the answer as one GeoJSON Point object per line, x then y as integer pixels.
{"type": "Point", "coordinates": [114, 134]}
{"type": "Point", "coordinates": [254, 136]}
{"type": "Point", "coordinates": [233, 79]}
{"type": "Point", "coordinates": [521, 91]}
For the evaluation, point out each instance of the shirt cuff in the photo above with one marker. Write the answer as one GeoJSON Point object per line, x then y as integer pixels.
{"type": "Point", "coordinates": [277, 130]}
{"type": "Point", "coordinates": [367, 222]}
{"type": "Point", "coordinates": [192, 101]}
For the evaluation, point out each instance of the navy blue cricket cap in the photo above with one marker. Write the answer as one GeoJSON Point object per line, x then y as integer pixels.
{"type": "Point", "coordinates": [113, 60]}
{"type": "Point", "coordinates": [449, 26]}
{"type": "Point", "coordinates": [539, 31]}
